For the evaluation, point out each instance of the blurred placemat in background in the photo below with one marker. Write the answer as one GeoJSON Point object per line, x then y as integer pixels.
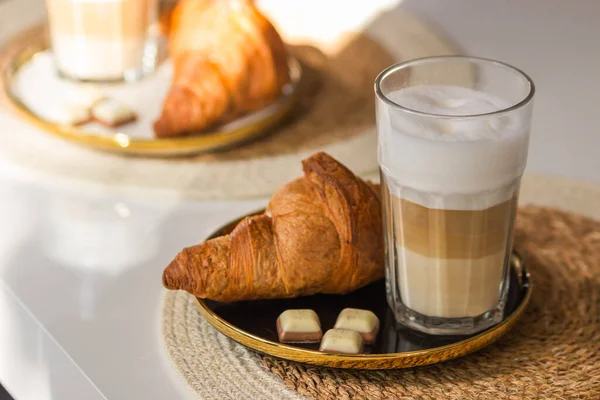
{"type": "Point", "coordinates": [336, 111]}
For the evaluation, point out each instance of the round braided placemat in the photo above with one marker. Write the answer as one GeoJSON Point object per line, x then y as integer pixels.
{"type": "Point", "coordinates": [554, 352]}
{"type": "Point", "coordinates": [214, 366]}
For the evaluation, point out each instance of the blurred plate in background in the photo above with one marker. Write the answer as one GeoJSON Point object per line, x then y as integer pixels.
{"type": "Point", "coordinates": [37, 93]}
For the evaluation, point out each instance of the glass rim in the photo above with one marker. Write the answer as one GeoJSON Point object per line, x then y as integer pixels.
{"type": "Point", "coordinates": [402, 65]}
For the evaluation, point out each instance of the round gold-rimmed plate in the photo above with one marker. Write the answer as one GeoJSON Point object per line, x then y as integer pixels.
{"type": "Point", "coordinates": [35, 93]}
{"type": "Point", "coordinates": [252, 324]}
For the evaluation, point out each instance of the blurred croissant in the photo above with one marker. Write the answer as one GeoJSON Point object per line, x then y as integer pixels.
{"type": "Point", "coordinates": [320, 234]}
{"type": "Point", "coordinates": [228, 60]}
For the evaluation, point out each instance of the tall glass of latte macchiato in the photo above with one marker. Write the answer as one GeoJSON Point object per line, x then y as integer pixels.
{"type": "Point", "coordinates": [104, 40]}
{"type": "Point", "coordinates": [453, 134]}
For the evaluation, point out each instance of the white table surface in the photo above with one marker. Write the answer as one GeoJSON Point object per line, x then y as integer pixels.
{"type": "Point", "coordinates": [80, 273]}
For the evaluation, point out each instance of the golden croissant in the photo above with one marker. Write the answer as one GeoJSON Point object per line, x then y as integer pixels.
{"type": "Point", "coordinates": [321, 233]}
{"type": "Point", "coordinates": [228, 60]}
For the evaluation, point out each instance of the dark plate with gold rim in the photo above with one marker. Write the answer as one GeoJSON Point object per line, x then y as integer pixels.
{"type": "Point", "coordinates": [252, 323]}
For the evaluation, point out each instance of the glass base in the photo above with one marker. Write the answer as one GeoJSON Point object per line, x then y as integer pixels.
{"type": "Point", "coordinates": [446, 326]}
{"type": "Point", "coordinates": [131, 75]}
{"type": "Point", "coordinates": [148, 63]}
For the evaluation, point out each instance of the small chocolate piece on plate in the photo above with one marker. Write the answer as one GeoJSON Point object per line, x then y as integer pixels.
{"type": "Point", "coordinates": [112, 113]}
{"type": "Point", "coordinates": [74, 115]}
{"type": "Point", "coordinates": [364, 322]}
{"type": "Point", "coordinates": [342, 341]}
{"type": "Point", "coordinates": [299, 326]}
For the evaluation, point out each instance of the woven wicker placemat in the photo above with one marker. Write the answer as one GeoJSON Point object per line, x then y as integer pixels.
{"type": "Point", "coordinates": [553, 353]}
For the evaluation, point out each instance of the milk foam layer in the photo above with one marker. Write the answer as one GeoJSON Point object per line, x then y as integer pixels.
{"type": "Point", "coordinates": [455, 154]}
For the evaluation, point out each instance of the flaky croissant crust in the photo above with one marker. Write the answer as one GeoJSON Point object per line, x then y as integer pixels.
{"type": "Point", "coordinates": [321, 233]}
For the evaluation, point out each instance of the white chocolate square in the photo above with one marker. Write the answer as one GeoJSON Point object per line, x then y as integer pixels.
{"type": "Point", "coordinates": [112, 113]}
{"type": "Point", "coordinates": [73, 114]}
{"type": "Point", "coordinates": [342, 341]}
{"type": "Point", "coordinates": [354, 319]}
{"type": "Point", "coordinates": [300, 321]}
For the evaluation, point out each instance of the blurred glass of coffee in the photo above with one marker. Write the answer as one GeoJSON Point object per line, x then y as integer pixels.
{"type": "Point", "coordinates": [104, 40]}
